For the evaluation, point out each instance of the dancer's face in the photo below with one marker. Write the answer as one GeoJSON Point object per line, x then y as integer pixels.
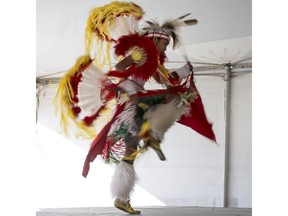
{"type": "Point", "coordinates": [161, 44]}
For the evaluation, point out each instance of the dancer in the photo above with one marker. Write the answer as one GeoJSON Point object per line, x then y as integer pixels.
{"type": "Point", "coordinates": [147, 116]}
{"type": "Point", "coordinates": [134, 110]}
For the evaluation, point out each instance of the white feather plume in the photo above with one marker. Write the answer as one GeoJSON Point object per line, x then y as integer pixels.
{"type": "Point", "coordinates": [124, 25]}
{"type": "Point", "coordinates": [89, 91]}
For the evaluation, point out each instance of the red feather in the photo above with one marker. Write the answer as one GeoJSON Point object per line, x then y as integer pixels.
{"type": "Point", "coordinates": [146, 70]}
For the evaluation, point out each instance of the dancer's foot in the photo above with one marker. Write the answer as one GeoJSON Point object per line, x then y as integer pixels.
{"type": "Point", "coordinates": [125, 206]}
{"type": "Point", "coordinates": [155, 145]}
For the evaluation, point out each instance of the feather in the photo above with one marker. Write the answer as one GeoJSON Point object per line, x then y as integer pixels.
{"type": "Point", "coordinates": [66, 100]}
{"type": "Point", "coordinates": [124, 25]}
{"type": "Point", "coordinates": [89, 91]}
{"type": "Point", "coordinates": [153, 24]}
{"type": "Point", "coordinates": [176, 39]}
{"type": "Point", "coordinates": [191, 22]}
{"type": "Point", "coordinates": [182, 17]}
{"type": "Point", "coordinates": [147, 68]}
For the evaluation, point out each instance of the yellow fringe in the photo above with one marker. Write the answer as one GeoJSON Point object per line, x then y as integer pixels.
{"type": "Point", "coordinates": [63, 101]}
{"type": "Point", "coordinates": [163, 70]}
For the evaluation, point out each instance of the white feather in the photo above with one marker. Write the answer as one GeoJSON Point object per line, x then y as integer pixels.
{"type": "Point", "coordinates": [89, 91]}
{"type": "Point", "coordinates": [124, 25]}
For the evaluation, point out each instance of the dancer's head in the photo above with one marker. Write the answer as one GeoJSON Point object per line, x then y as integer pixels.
{"type": "Point", "coordinates": [160, 38]}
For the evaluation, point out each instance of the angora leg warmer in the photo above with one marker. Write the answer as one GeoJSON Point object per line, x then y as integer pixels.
{"type": "Point", "coordinates": [163, 116]}
{"type": "Point", "coordinates": [123, 181]}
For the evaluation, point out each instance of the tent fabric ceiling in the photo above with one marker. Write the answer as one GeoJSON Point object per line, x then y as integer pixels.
{"type": "Point", "coordinates": [223, 32]}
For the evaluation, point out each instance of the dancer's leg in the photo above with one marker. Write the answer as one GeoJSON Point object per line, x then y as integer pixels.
{"type": "Point", "coordinates": [124, 179]}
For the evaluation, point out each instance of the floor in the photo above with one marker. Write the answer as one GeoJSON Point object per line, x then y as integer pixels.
{"type": "Point", "coordinates": [146, 211]}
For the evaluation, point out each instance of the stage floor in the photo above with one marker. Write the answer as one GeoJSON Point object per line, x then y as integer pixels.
{"type": "Point", "coordinates": [148, 211]}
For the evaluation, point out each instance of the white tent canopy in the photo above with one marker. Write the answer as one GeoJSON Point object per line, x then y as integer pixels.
{"type": "Point", "coordinates": [222, 35]}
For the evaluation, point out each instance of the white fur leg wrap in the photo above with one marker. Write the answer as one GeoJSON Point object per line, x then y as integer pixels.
{"type": "Point", "coordinates": [163, 116]}
{"type": "Point", "coordinates": [123, 181]}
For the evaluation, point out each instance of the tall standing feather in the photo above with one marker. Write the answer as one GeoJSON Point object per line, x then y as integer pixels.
{"type": "Point", "coordinates": [182, 17]}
